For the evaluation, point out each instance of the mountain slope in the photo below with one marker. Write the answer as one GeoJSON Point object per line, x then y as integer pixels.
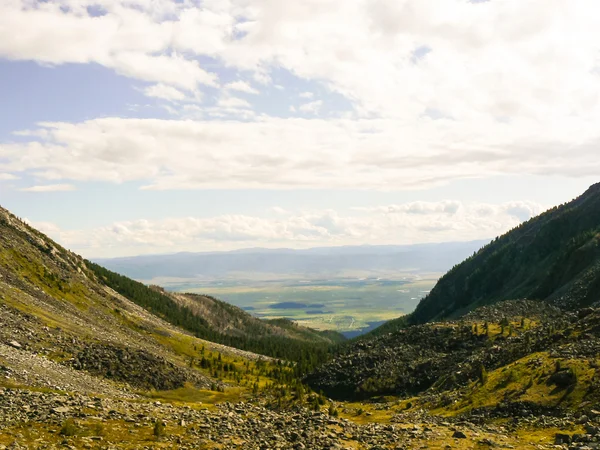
{"type": "Point", "coordinates": [521, 352]}
{"type": "Point", "coordinates": [61, 319]}
{"type": "Point", "coordinates": [219, 322]}
{"type": "Point", "coordinates": [553, 257]}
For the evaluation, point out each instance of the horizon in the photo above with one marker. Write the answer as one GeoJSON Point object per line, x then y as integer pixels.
{"type": "Point", "coordinates": [275, 249]}
{"type": "Point", "coordinates": [160, 127]}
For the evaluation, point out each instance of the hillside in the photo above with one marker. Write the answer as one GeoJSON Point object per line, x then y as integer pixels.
{"type": "Point", "coordinates": [216, 321]}
{"type": "Point", "coordinates": [78, 341]}
{"type": "Point", "coordinates": [554, 257]}
{"type": "Point", "coordinates": [468, 325]}
{"type": "Point", "coordinates": [230, 320]}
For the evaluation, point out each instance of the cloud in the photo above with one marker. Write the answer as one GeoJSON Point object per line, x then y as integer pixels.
{"type": "Point", "coordinates": [50, 188]}
{"type": "Point", "coordinates": [311, 107]}
{"type": "Point", "coordinates": [522, 210]}
{"type": "Point", "coordinates": [435, 95]}
{"type": "Point", "coordinates": [392, 59]}
{"type": "Point", "coordinates": [8, 177]}
{"type": "Point", "coordinates": [306, 95]}
{"type": "Point", "coordinates": [232, 102]}
{"type": "Point", "coordinates": [285, 153]}
{"type": "Point", "coordinates": [300, 229]}
{"type": "Point", "coordinates": [241, 86]}
{"type": "Point", "coordinates": [449, 207]}
{"type": "Point", "coordinates": [164, 92]}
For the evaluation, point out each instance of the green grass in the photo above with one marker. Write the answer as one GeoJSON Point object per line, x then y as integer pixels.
{"type": "Point", "coordinates": [527, 380]}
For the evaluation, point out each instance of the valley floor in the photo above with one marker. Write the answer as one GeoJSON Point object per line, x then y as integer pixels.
{"type": "Point", "coordinates": [47, 419]}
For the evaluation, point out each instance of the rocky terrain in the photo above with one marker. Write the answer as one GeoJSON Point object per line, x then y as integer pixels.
{"type": "Point", "coordinates": [446, 356]}
{"type": "Point", "coordinates": [78, 421]}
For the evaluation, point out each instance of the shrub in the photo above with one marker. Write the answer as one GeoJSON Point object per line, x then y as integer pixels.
{"type": "Point", "coordinates": [159, 428]}
{"type": "Point", "coordinates": [69, 428]}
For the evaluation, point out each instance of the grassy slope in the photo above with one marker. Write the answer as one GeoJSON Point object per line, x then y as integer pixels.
{"type": "Point", "coordinates": [218, 322]}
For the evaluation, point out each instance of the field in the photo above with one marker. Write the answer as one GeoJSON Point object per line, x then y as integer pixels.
{"type": "Point", "coordinates": [351, 305]}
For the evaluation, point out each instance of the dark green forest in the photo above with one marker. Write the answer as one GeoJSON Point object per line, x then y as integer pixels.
{"type": "Point", "coordinates": [544, 258]}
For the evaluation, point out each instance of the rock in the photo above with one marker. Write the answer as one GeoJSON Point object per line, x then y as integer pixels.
{"type": "Point", "coordinates": [15, 344]}
{"type": "Point", "coordinates": [563, 378]}
{"type": "Point", "coordinates": [561, 438]}
{"type": "Point", "coordinates": [61, 410]}
{"type": "Point", "coordinates": [459, 435]}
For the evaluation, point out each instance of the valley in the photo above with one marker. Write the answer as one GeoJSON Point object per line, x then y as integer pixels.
{"type": "Point", "coordinates": [349, 289]}
{"type": "Point", "coordinates": [90, 358]}
{"type": "Point", "coordinates": [349, 305]}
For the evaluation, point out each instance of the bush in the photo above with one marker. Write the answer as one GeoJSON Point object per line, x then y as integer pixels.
{"type": "Point", "coordinates": [159, 428]}
{"type": "Point", "coordinates": [69, 428]}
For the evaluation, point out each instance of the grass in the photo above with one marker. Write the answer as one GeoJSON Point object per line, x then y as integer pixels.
{"type": "Point", "coordinates": [527, 380]}
{"type": "Point", "coordinates": [191, 395]}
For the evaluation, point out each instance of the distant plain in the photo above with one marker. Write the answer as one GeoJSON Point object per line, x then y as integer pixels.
{"type": "Point", "coordinates": [348, 304]}
{"type": "Point", "coordinates": [347, 289]}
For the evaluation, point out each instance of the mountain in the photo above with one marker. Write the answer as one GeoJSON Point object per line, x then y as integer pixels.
{"type": "Point", "coordinates": [323, 261]}
{"type": "Point", "coordinates": [56, 303]}
{"type": "Point", "coordinates": [92, 359]}
{"type": "Point", "coordinates": [553, 257]}
{"type": "Point", "coordinates": [525, 301]}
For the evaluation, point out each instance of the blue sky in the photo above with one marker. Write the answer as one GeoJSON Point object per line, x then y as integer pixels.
{"type": "Point", "coordinates": [157, 126]}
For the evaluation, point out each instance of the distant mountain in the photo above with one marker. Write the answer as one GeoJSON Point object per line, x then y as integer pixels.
{"type": "Point", "coordinates": [325, 261]}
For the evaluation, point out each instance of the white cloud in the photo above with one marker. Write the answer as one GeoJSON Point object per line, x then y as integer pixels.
{"type": "Point", "coordinates": [510, 91]}
{"type": "Point", "coordinates": [273, 153]}
{"type": "Point", "coordinates": [293, 229]}
{"type": "Point", "coordinates": [8, 177]}
{"type": "Point", "coordinates": [241, 86]}
{"type": "Point", "coordinates": [311, 107]}
{"type": "Point", "coordinates": [232, 102]}
{"type": "Point", "coordinates": [164, 92]}
{"type": "Point", "coordinates": [449, 207]}
{"type": "Point", "coordinates": [491, 60]}
{"type": "Point", "coordinates": [50, 188]}
{"type": "Point", "coordinates": [306, 95]}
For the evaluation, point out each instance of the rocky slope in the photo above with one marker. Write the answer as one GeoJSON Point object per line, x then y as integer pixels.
{"type": "Point", "coordinates": [84, 366]}
{"type": "Point", "coordinates": [442, 359]}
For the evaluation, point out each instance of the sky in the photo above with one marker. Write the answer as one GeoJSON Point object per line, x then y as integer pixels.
{"type": "Point", "coordinates": [158, 126]}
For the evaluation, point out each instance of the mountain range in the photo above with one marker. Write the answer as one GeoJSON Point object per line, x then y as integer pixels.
{"type": "Point", "coordinates": [322, 262]}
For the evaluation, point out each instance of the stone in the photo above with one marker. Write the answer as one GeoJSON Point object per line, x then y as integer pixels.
{"type": "Point", "coordinates": [561, 438]}
{"type": "Point", "coordinates": [15, 344]}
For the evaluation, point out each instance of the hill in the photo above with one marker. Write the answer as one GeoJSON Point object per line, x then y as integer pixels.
{"type": "Point", "coordinates": [554, 257]}
{"type": "Point", "coordinates": [219, 322]}
{"type": "Point", "coordinates": [92, 359]}
{"type": "Point", "coordinates": [76, 308]}
{"type": "Point", "coordinates": [468, 326]}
